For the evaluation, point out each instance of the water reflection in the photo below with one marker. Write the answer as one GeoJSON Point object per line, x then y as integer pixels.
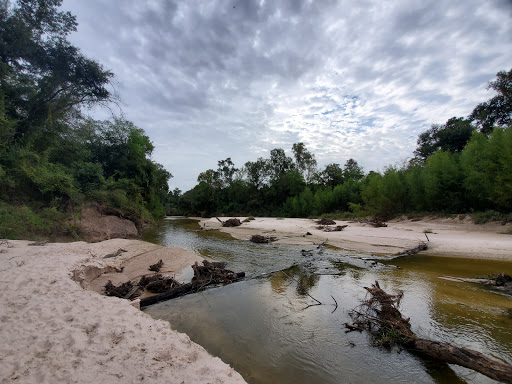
{"type": "Point", "coordinates": [304, 277]}
{"type": "Point", "coordinates": [262, 326]}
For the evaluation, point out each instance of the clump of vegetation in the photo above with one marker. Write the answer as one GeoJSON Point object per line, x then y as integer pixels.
{"type": "Point", "coordinates": [491, 215]}
{"type": "Point", "coordinates": [427, 230]}
{"type": "Point", "coordinates": [52, 157]}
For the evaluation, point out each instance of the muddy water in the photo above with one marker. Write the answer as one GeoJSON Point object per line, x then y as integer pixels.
{"type": "Point", "coordinates": [266, 330]}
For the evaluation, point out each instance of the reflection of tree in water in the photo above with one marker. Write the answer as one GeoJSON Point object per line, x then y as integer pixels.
{"type": "Point", "coordinates": [304, 278]}
{"type": "Point", "coordinates": [345, 269]}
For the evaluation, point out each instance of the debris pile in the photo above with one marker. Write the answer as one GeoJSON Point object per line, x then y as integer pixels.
{"type": "Point", "coordinates": [158, 283]}
{"type": "Point", "coordinates": [210, 273]}
{"type": "Point", "coordinates": [156, 267]}
{"type": "Point", "coordinates": [327, 228]}
{"type": "Point", "coordinates": [259, 239]}
{"type": "Point", "coordinates": [232, 223]}
{"type": "Point", "coordinates": [379, 314]}
{"type": "Point", "coordinates": [325, 222]}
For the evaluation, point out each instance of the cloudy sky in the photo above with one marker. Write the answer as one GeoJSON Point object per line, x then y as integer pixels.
{"type": "Point", "coordinates": [356, 79]}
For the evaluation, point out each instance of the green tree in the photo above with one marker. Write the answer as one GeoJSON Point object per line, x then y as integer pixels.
{"type": "Point", "coordinates": [225, 171]}
{"type": "Point", "coordinates": [385, 195]}
{"type": "Point", "coordinates": [332, 175]}
{"type": "Point", "coordinates": [498, 110]}
{"type": "Point", "coordinates": [279, 164]}
{"type": "Point", "coordinates": [443, 182]}
{"type": "Point", "coordinates": [257, 172]}
{"type": "Point", "coordinates": [42, 75]}
{"type": "Point", "coordinates": [451, 137]}
{"type": "Point", "coordinates": [304, 161]}
{"type": "Point", "coordinates": [352, 170]}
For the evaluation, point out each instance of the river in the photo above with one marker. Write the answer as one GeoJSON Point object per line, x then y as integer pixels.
{"type": "Point", "coordinates": [266, 329]}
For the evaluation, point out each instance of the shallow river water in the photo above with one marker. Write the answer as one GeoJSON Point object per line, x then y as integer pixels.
{"type": "Point", "coordinates": [264, 328]}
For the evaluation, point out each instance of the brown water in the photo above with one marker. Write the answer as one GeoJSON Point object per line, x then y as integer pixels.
{"type": "Point", "coordinates": [264, 328]}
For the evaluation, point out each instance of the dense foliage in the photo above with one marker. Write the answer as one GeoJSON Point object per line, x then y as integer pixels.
{"type": "Point", "coordinates": [52, 158]}
{"type": "Point", "coordinates": [464, 165]}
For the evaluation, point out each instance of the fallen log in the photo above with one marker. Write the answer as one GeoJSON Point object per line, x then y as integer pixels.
{"type": "Point", "coordinates": [210, 273]}
{"type": "Point", "coordinates": [380, 315]}
{"type": "Point", "coordinates": [115, 254]}
{"type": "Point", "coordinates": [421, 247]}
{"type": "Point", "coordinates": [172, 294]}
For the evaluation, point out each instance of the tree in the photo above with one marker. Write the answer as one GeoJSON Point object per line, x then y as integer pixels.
{"type": "Point", "coordinates": [304, 161]}
{"type": "Point", "coordinates": [451, 137]}
{"type": "Point", "coordinates": [443, 182]}
{"type": "Point", "coordinates": [331, 176]}
{"type": "Point", "coordinates": [42, 75]}
{"type": "Point", "coordinates": [225, 171]}
{"type": "Point", "coordinates": [279, 164]}
{"type": "Point", "coordinates": [498, 110]}
{"type": "Point", "coordinates": [352, 170]}
{"type": "Point", "coordinates": [257, 172]}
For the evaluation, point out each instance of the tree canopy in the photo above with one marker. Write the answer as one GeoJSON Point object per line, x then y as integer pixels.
{"type": "Point", "coordinates": [52, 157]}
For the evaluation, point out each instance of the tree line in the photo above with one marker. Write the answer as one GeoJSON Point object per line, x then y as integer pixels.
{"type": "Point", "coordinates": [464, 165]}
{"type": "Point", "coordinates": [53, 158]}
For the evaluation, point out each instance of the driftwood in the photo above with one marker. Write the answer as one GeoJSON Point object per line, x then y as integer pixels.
{"type": "Point", "coordinates": [421, 247]}
{"type": "Point", "coordinates": [207, 274]}
{"type": "Point", "coordinates": [39, 243]}
{"type": "Point", "coordinates": [377, 223]}
{"type": "Point", "coordinates": [380, 315]}
{"type": "Point", "coordinates": [156, 267]}
{"type": "Point", "coordinates": [500, 281]}
{"type": "Point", "coordinates": [115, 254]}
{"type": "Point", "coordinates": [325, 222]}
{"type": "Point", "coordinates": [232, 223]}
{"type": "Point", "coordinates": [158, 283]}
{"type": "Point", "coordinates": [262, 239]}
{"type": "Point", "coordinates": [259, 239]}
{"type": "Point", "coordinates": [125, 290]}
{"type": "Point", "coordinates": [327, 228]}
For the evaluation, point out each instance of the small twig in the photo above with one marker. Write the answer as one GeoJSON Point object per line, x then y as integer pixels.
{"type": "Point", "coordinates": [319, 303]}
{"type": "Point", "coordinates": [336, 304]}
{"type": "Point", "coordinates": [427, 237]}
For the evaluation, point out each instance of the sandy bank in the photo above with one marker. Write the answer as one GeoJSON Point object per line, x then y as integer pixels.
{"type": "Point", "coordinates": [54, 331]}
{"type": "Point", "coordinates": [449, 237]}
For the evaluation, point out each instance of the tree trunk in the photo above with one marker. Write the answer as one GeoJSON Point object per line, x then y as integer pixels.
{"type": "Point", "coordinates": [465, 357]}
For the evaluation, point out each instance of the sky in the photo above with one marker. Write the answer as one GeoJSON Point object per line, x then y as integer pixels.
{"type": "Point", "coordinates": [358, 79]}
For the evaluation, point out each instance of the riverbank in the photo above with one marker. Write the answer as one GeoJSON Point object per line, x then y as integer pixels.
{"type": "Point", "coordinates": [54, 330]}
{"type": "Point", "coordinates": [455, 237]}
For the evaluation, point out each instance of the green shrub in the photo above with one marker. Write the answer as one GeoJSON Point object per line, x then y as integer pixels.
{"type": "Point", "coordinates": [24, 222]}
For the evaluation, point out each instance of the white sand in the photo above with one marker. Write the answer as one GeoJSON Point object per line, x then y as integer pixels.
{"type": "Point", "coordinates": [54, 331]}
{"type": "Point", "coordinates": [450, 237]}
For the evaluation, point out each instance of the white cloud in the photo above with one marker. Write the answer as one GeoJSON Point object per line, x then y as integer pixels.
{"type": "Point", "coordinates": [207, 80]}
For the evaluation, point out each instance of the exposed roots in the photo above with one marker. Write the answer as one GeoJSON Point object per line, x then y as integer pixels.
{"type": "Point", "coordinates": [379, 314]}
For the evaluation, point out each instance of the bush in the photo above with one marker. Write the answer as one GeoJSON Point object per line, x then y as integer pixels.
{"type": "Point", "coordinates": [22, 222]}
